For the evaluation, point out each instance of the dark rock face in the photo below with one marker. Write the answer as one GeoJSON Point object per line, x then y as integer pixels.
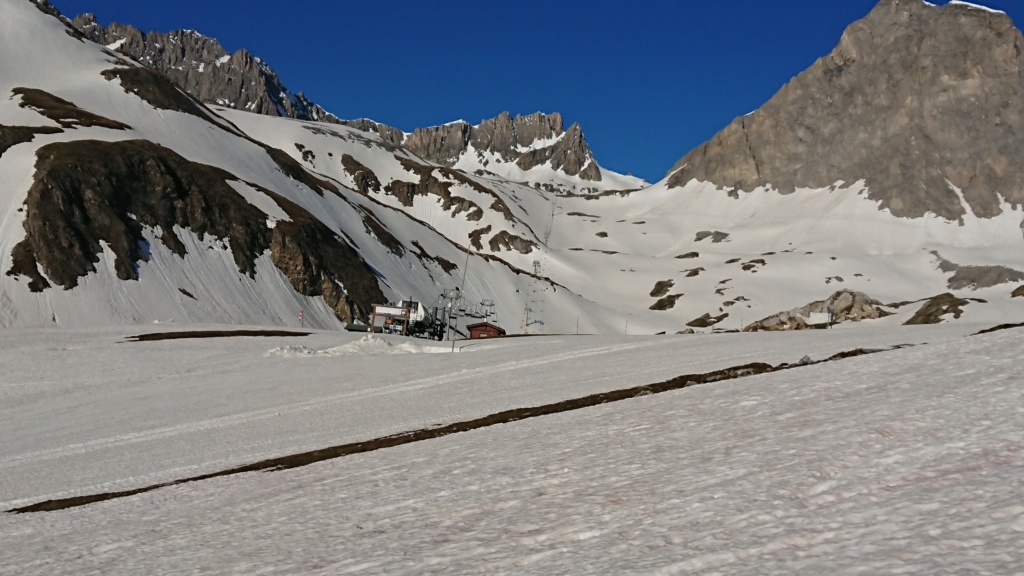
{"type": "Point", "coordinates": [506, 137]}
{"type": "Point", "coordinates": [977, 277]}
{"type": "Point", "coordinates": [11, 136]}
{"type": "Point", "coordinates": [63, 112]}
{"type": "Point", "coordinates": [446, 265]}
{"type": "Point", "coordinates": [666, 303]}
{"type": "Point", "coordinates": [363, 178]}
{"type": "Point", "coordinates": [935, 308]}
{"type": "Point", "coordinates": [45, 7]}
{"type": "Point", "coordinates": [661, 288]}
{"type": "Point", "coordinates": [376, 228]}
{"type": "Point", "coordinates": [155, 89]}
{"type": "Point", "coordinates": [88, 192]}
{"type": "Point", "coordinates": [387, 133]}
{"type": "Point", "coordinates": [707, 321]}
{"type": "Point", "coordinates": [715, 236]}
{"type": "Point", "coordinates": [431, 184]}
{"type": "Point", "coordinates": [1018, 292]}
{"type": "Point", "coordinates": [203, 69]}
{"type": "Point", "coordinates": [504, 239]}
{"type": "Point", "coordinates": [914, 95]}
{"type": "Point", "coordinates": [476, 235]}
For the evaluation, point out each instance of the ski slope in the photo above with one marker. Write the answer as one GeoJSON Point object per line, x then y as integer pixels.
{"type": "Point", "coordinates": [908, 460]}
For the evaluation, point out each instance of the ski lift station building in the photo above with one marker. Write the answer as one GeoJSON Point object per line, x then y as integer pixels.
{"type": "Point", "coordinates": [484, 330]}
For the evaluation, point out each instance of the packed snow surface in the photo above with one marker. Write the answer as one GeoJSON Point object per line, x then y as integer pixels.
{"type": "Point", "coordinates": [909, 460]}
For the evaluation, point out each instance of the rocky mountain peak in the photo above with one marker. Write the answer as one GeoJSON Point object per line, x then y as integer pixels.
{"type": "Point", "coordinates": [387, 133]}
{"type": "Point", "coordinates": [526, 141]}
{"type": "Point", "coordinates": [923, 103]}
{"type": "Point", "coordinates": [204, 69]}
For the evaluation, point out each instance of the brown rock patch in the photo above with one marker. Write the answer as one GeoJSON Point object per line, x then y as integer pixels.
{"type": "Point", "coordinates": [11, 136]}
{"type": "Point", "coordinates": [937, 307]}
{"type": "Point", "coordinates": [666, 303]}
{"type": "Point", "coordinates": [507, 241]}
{"type": "Point", "coordinates": [62, 112]}
{"type": "Point", "coordinates": [661, 288]}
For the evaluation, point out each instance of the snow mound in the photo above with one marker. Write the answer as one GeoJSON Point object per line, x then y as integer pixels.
{"type": "Point", "coordinates": [291, 351]}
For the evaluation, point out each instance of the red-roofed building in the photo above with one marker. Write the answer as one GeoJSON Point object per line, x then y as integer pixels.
{"type": "Point", "coordinates": [484, 330]}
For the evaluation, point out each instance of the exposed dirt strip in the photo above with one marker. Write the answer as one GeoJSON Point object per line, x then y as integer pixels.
{"type": "Point", "coordinates": [307, 458]}
{"type": "Point", "coordinates": [211, 334]}
{"type": "Point", "coordinates": [998, 328]}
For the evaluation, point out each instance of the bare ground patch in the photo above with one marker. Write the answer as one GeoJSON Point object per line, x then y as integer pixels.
{"type": "Point", "coordinates": [998, 328]}
{"type": "Point", "coordinates": [158, 336]}
{"type": "Point", "coordinates": [65, 113]}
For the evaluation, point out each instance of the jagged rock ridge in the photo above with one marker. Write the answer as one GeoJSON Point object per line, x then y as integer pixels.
{"type": "Point", "coordinates": [204, 69]}
{"type": "Point", "coordinates": [915, 99]}
{"type": "Point", "coordinates": [513, 139]}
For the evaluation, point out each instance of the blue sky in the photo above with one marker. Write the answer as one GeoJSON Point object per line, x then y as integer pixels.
{"type": "Point", "coordinates": [648, 81]}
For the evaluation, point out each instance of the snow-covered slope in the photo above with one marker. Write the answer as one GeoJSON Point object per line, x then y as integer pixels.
{"type": "Point", "coordinates": [187, 255]}
{"type": "Point", "coordinates": [904, 461]}
{"type": "Point", "coordinates": [762, 252]}
{"type": "Point", "coordinates": [125, 201]}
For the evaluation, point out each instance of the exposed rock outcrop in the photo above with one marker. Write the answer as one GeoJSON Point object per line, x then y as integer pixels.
{"type": "Point", "coordinates": [156, 89]}
{"type": "Point", "coordinates": [715, 236]}
{"type": "Point", "coordinates": [204, 69]}
{"type": "Point", "coordinates": [429, 184]}
{"type": "Point", "coordinates": [1018, 293]}
{"type": "Point", "coordinates": [438, 181]}
{"type": "Point", "coordinates": [915, 99]}
{"type": "Point", "coordinates": [507, 241]}
{"type": "Point", "coordinates": [387, 133]}
{"type": "Point", "coordinates": [846, 306]}
{"type": "Point", "coordinates": [64, 113]}
{"type": "Point", "coordinates": [976, 277]}
{"type": "Point", "coordinates": [527, 141]}
{"type": "Point", "coordinates": [935, 308]}
{"type": "Point", "coordinates": [707, 320]}
{"type": "Point", "coordinates": [363, 178]}
{"type": "Point", "coordinates": [88, 194]}
{"type": "Point", "coordinates": [11, 136]}
{"type": "Point", "coordinates": [666, 303]}
{"type": "Point", "coordinates": [661, 288]}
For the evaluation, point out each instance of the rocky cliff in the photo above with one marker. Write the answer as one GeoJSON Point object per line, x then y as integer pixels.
{"type": "Point", "coordinates": [915, 100]}
{"type": "Point", "coordinates": [204, 69]}
{"type": "Point", "coordinates": [526, 141]}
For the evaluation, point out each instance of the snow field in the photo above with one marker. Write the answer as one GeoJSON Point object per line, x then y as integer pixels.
{"type": "Point", "coordinates": [908, 461]}
{"type": "Point", "coordinates": [84, 412]}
